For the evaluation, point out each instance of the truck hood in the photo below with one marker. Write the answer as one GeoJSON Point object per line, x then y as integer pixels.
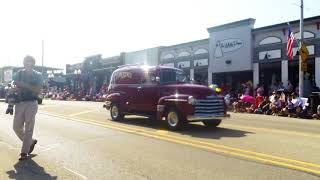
{"type": "Point", "coordinates": [197, 91]}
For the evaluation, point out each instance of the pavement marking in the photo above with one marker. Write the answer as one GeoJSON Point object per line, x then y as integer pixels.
{"type": "Point", "coordinates": [162, 131]}
{"type": "Point", "coordinates": [82, 112]}
{"type": "Point", "coordinates": [52, 146]}
{"type": "Point", "coordinates": [76, 173]}
{"type": "Point", "coordinates": [165, 131]}
{"type": "Point", "coordinates": [251, 155]}
{"type": "Point", "coordinates": [271, 130]}
{"type": "Point", "coordinates": [9, 146]}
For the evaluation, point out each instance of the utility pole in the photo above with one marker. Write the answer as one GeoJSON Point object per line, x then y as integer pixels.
{"type": "Point", "coordinates": [301, 73]}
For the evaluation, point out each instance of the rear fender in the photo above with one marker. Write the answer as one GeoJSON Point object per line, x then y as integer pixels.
{"type": "Point", "coordinates": [114, 98]}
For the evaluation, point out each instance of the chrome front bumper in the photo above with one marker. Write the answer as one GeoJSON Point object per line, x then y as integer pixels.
{"type": "Point", "coordinates": [207, 117]}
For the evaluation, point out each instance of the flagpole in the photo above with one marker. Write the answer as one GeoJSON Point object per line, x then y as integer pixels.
{"type": "Point", "coordinates": [301, 73]}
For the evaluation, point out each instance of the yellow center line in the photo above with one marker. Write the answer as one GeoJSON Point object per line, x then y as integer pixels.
{"type": "Point", "coordinates": [271, 130]}
{"type": "Point", "coordinates": [256, 156]}
{"type": "Point", "coordinates": [82, 112]}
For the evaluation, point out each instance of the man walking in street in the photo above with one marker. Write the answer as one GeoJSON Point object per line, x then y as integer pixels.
{"type": "Point", "coordinates": [28, 83]}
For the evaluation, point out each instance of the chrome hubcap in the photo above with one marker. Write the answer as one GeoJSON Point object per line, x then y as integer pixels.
{"type": "Point", "coordinates": [114, 112]}
{"type": "Point", "coordinates": [173, 119]}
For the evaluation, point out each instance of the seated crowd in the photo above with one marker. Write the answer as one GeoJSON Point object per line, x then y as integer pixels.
{"type": "Point", "coordinates": [282, 102]}
{"type": "Point", "coordinates": [80, 95]}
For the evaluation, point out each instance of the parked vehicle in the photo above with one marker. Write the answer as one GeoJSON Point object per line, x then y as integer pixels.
{"type": "Point", "coordinates": [162, 93]}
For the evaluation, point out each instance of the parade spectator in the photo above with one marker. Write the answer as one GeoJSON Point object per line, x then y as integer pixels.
{"type": "Point", "coordinates": [272, 97]}
{"type": "Point", "coordinates": [289, 88]}
{"type": "Point", "coordinates": [288, 110]}
{"type": "Point", "coordinates": [280, 86]}
{"type": "Point", "coordinates": [274, 87]}
{"type": "Point", "coordinates": [260, 90]}
{"type": "Point", "coordinates": [259, 100]}
{"type": "Point", "coordinates": [237, 104]}
{"type": "Point", "coordinates": [263, 107]}
{"type": "Point", "coordinates": [317, 115]}
{"type": "Point", "coordinates": [275, 105]}
{"type": "Point", "coordinates": [283, 99]}
{"type": "Point", "coordinates": [223, 88]}
{"type": "Point", "coordinates": [248, 89]}
{"type": "Point", "coordinates": [296, 101]}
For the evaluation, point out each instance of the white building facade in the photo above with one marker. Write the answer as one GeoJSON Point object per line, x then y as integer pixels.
{"type": "Point", "coordinates": [237, 52]}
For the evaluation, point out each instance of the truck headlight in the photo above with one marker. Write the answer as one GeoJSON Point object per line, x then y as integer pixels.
{"type": "Point", "coordinates": [192, 100]}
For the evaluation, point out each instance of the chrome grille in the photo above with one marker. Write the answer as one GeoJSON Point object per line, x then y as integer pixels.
{"type": "Point", "coordinates": [209, 106]}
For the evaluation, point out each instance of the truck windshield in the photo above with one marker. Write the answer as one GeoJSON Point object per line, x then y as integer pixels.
{"type": "Point", "coordinates": [173, 76]}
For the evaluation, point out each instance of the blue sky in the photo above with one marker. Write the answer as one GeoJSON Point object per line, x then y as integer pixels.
{"type": "Point", "coordinates": [74, 29]}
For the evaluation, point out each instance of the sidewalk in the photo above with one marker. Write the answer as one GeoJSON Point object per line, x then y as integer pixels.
{"type": "Point", "coordinates": [250, 116]}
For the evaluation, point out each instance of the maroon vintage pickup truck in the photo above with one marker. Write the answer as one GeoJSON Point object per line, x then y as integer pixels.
{"type": "Point", "coordinates": [162, 93]}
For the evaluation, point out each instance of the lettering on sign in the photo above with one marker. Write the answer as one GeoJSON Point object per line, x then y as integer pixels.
{"type": "Point", "coordinates": [124, 75]}
{"type": "Point", "coordinates": [227, 46]}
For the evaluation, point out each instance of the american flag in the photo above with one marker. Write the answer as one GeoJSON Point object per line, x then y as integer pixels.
{"type": "Point", "coordinates": [290, 44]}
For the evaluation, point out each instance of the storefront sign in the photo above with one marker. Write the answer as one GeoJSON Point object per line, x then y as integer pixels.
{"type": "Point", "coordinates": [227, 46]}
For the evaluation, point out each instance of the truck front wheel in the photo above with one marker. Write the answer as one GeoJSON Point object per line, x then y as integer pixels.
{"type": "Point", "coordinates": [115, 113]}
{"type": "Point", "coordinates": [212, 123]}
{"type": "Point", "coordinates": [174, 120]}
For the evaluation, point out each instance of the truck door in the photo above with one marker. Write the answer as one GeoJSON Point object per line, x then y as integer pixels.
{"type": "Point", "coordinates": [147, 93]}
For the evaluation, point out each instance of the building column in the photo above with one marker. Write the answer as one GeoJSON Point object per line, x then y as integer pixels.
{"type": "Point", "coordinates": [209, 76]}
{"type": "Point", "coordinates": [284, 72]}
{"type": "Point", "coordinates": [317, 71]}
{"type": "Point", "coordinates": [255, 74]}
{"type": "Point", "coordinates": [192, 74]}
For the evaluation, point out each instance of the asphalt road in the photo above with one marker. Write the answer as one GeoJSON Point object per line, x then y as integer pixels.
{"type": "Point", "coordinates": [77, 140]}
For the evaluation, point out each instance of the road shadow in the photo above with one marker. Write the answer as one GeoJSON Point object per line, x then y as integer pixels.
{"type": "Point", "coordinates": [201, 131]}
{"type": "Point", "coordinates": [29, 169]}
{"type": "Point", "coordinates": [192, 129]}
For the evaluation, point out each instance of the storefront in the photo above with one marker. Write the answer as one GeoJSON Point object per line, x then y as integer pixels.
{"type": "Point", "coordinates": [271, 62]}
{"type": "Point", "coordinates": [233, 54]}
{"type": "Point", "coordinates": [230, 47]}
{"type": "Point", "coordinates": [102, 74]}
{"type": "Point", "coordinates": [270, 74]}
{"type": "Point", "coordinates": [191, 57]}
{"type": "Point", "coordinates": [74, 79]}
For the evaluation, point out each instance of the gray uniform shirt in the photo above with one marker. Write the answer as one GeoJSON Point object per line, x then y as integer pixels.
{"type": "Point", "coordinates": [34, 79]}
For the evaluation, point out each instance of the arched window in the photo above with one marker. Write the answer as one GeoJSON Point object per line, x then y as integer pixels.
{"type": "Point", "coordinates": [306, 35]}
{"type": "Point", "coordinates": [168, 56]}
{"type": "Point", "coordinates": [201, 51]}
{"type": "Point", "coordinates": [184, 54]}
{"type": "Point", "coordinates": [270, 40]}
